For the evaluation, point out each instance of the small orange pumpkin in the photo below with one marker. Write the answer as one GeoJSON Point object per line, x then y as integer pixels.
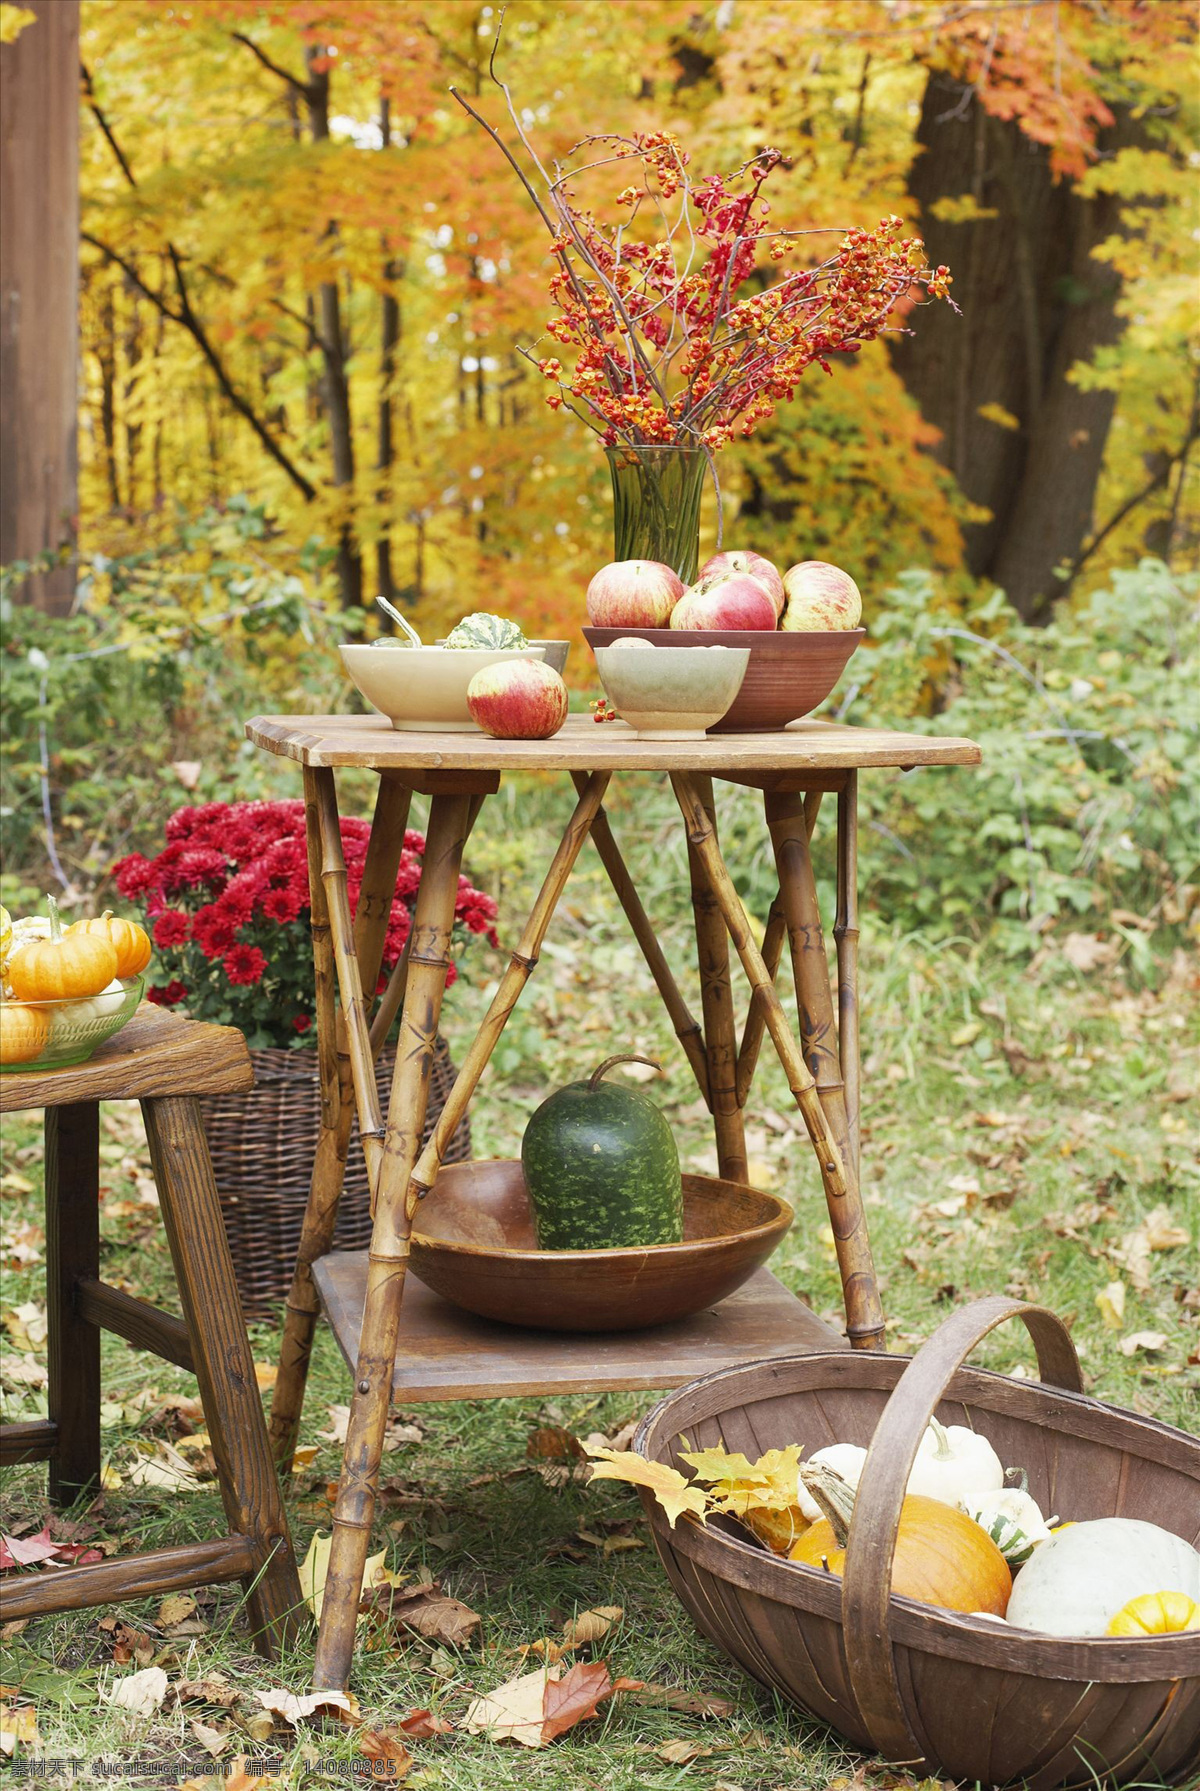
{"type": "Point", "coordinates": [132, 942]}
{"type": "Point", "coordinates": [63, 967]}
{"type": "Point", "coordinates": [943, 1557]}
{"type": "Point", "coordinates": [23, 1032]}
{"type": "Point", "coordinates": [1156, 1614]}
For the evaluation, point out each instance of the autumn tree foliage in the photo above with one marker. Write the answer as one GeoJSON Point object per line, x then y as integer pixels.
{"type": "Point", "coordinates": [307, 277]}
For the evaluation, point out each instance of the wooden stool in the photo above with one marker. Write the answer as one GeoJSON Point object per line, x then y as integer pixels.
{"type": "Point", "coordinates": [164, 1063]}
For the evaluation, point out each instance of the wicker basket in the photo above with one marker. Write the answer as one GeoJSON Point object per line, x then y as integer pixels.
{"type": "Point", "coordinates": [263, 1144]}
{"type": "Point", "coordinates": [929, 1689]}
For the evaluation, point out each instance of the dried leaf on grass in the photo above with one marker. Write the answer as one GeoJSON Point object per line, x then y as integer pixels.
{"type": "Point", "coordinates": [396, 1434]}
{"type": "Point", "coordinates": [682, 1753]}
{"type": "Point", "coordinates": [174, 1609]}
{"type": "Point", "coordinates": [139, 1693]}
{"type": "Point", "coordinates": [390, 1759]}
{"type": "Point", "coordinates": [670, 1489]}
{"type": "Point", "coordinates": [1147, 1340]}
{"type": "Point", "coordinates": [422, 1725]}
{"type": "Point", "coordinates": [314, 1570]}
{"type": "Point", "coordinates": [214, 1741]}
{"type": "Point", "coordinates": [535, 1708]}
{"type": "Point", "coordinates": [18, 1723]}
{"type": "Point", "coordinates": [1111, 1301]}
{"type": "Point", "coordinates": [293, 1709]}
{"type": "Point", "coordinates": [425, 1610]}
{"type": "Point", "coordinates": [553, 1443]}
{"type": "Point", "coordinates": [214, 1690]}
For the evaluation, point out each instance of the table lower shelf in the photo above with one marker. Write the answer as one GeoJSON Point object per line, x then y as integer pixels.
{"type": "Point", "coordinates": [446, 1353]}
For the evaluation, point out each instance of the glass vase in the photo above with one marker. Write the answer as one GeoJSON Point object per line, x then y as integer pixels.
{"type": "Point", "coordinates": [656, 504]}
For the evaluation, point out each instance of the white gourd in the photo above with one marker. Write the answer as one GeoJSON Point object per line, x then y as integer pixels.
{"type": "Point", "coordinates": [69, 1015]}
{"type": "Point", "coordinates": [1013, 1520]}
{"type": "Point", "coordinates": [955, 1465]}
{"type": "Point", "coordinates": [1075, 1583]}
{"type": "Point", "coordinates": [845, 1459]}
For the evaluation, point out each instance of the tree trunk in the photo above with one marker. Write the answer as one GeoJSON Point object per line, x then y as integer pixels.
{"type": "Point", "coordinates": [333, 349]}
{"type": "Point", "coordinates": [1033, 303]}
{"type": "Point", "coordinates": [389, 342]}
{"type": "Point", "coordinates": [39, 297]}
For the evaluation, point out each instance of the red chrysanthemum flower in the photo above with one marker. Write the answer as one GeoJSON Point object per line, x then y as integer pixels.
{"type": "Point", "coordinates": [172, 928]}
{"type": "Point", "coordinates": [244, 964]}
{"type": "Point", "coordinates": [280, 905]}
{"type": "Point", "coordinates": [134, 875]}
{"type": "Point", "coordinates": [302, 1022]}
{"type": "Point", "coordinates": [213, 931]}
{"type": "Point", "coordinates": [168, 995]}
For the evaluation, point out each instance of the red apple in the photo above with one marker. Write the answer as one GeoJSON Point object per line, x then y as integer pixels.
{"type": "Point", "coordinates": [518, 699]}
{"type": "Point", "coordinates": [819, 597]}
{"type": "Point", "coordinates": [765, 571]}
{"type": "Point", "coordinates": [633, 594]}
{"type": "Point", "coordinates": [737, 601]}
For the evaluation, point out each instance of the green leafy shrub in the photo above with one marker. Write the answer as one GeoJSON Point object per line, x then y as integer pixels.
{"type": "Point", "coordinates": [1085, 803]}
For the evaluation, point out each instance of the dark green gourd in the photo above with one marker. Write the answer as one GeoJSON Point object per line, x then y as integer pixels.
{"type": "Point", "coordinates": [602, 1168]}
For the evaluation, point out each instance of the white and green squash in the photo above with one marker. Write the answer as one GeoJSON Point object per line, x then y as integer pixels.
{"type": "Point", "coordinates": [487, 633]}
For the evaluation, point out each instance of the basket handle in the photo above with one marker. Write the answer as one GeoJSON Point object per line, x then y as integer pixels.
{"type": "Point", "coordinates": [871, 1549]}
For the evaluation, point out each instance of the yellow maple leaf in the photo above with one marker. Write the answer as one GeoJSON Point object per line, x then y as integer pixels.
{"type": "Point", "coordinates": [740, 1486]}
{"type": "Point", "coordinates": [13, 20]}
{"type": "Point", "coordinates": [668, 1485]}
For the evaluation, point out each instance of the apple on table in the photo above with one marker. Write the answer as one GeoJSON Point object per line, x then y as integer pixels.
{"type": "Point", "coordinates": [518, 699]}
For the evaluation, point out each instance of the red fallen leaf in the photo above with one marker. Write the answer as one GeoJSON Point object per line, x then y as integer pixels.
{"type": "Point", "coordinates": [574, 1697]}
{"type": "Point", "coordinates": [28, 1551]}
{"type": "Point", "coordinates": [421, 1725]}
{"type": "Point", "coordinates": [390, 1759]}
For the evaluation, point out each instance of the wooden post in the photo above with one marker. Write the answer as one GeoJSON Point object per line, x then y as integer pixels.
{"type": "Point", "coordinates": [429, 961]}
{"type": "Point", "coordinates": [72, 1255]}
{"type": "Point", "coordinates": [716, 993]}
{"type": "Point", "coordinates": [520, 969]}
{"type": "Point", "coordinates": [223, 1364]}
{"type": "Point", "coordinates": [39, 296]}
{"type": "Point", "coordinates": [859, 1287]}
{"type": "Point", "coordinates": [845, 933]}
{"type": "Point", "coordinates": [337, 1090]}
{"type": "Point", "coordinates": [687, 1029]}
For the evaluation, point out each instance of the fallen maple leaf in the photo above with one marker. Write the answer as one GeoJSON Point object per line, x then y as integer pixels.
{"type": "Point", "coordinates": [681, 1753]}
{"type": "Point", "coordinates": [390, 1759]}
{"type": "Point", "coordinates": [422, 1725]}
{"type": "Point", "coordinates": [1147, 1340]}
{"type": "Point", "coordinates": [514, 1711]}
{"type": "Point", "coordinates": [174, 1608]}
{"type": "Point", "coordinates": [574, 1697]}
{"type": "Point", "coordinates": [214, 1690]}
{"type": "Point", "coordinates": [553, 1443]}
{"type": "Point", "coordinates": [139, 1693]}
{"type": "Point", "coordinates": [293, 1710]}
{"type": "Point", "coordinates": [670, 1489]}
{"type": "Point", "coordinates": [18, 1723]}
{"type": "Point", "coordinates": [315, 1568]}
{"type": "Point", "coordinates": [27, 1551]}
{"type": "Point", "coordinates": [591, 1626]}
{"type": "Point", "coordinates": [427, 1611]}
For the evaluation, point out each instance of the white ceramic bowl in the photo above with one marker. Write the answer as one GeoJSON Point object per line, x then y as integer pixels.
{"type": "Point", "coordinates": [423, 689]}
{"type": "Point", "coordinates": [671, 693]}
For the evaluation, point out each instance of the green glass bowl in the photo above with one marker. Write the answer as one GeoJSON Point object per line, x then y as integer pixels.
{"type": "Point", "coordinates": [78, 1027]}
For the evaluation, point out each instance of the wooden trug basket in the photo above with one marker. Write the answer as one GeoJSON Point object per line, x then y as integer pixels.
{"type": "Point", "coordinates": [262, 1145]}
{"type": "Point", "coordinates": [929, 1689]}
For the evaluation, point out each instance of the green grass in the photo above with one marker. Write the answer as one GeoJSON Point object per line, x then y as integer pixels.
{"type": "Point", "coordinates": [1022, 1121]}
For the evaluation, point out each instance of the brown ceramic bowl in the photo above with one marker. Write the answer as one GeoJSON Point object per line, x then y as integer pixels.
{"type": "Point", "coordinates": [473, 1242]}
{"type": "Point", "coordinates": [789, 675]}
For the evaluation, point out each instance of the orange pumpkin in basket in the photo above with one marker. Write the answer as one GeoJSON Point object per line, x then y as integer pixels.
{"type": "Point", "coordinates": [132, 942]}
{"type": "Point", "coordinates": [943, 1557]}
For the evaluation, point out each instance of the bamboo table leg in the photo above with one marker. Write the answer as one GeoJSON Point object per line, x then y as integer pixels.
{"type": "Point", "coordinates": [810, 966]}
{"type": "Point", "coordinates": [337, 1090]}
{"type": "Point", "coordinates": [859, 1286]}
{"type": "Point", "coordinates": [429, 961]}
{"type": "Point", "coordinates": [716, 993]}
{"type": "Point", "coordinates": [845, 933]}
{"type": "Point", "coordinates": [772, 951]}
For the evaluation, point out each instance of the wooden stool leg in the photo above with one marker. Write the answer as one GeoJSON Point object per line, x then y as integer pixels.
{"type": "Point", "coordinates": [72, 1253]}
{"type": "Point", "coordinates": [716, 995]}
{"type": "Point", "coordinates": [337, 1093]}
{"type": "Point", "coordinates": [433, 923]}
{"type": "Point", "coordinates": [223, 1363]}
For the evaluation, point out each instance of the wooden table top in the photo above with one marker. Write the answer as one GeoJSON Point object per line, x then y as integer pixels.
{"type": "Point", "coordinates": [583, 745]}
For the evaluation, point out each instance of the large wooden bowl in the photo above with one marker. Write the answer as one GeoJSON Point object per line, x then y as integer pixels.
{"type": "Point", "coordinates": [473, 1242]}
{"type": "Point", "coordinates": [789, 675]}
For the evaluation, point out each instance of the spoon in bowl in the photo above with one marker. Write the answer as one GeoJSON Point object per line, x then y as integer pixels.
{"type": "Point", "coordinates": [412, 638]}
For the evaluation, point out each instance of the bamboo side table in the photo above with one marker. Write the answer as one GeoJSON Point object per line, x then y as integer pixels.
{"type": "Point", "coordinates": [794, 769]}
